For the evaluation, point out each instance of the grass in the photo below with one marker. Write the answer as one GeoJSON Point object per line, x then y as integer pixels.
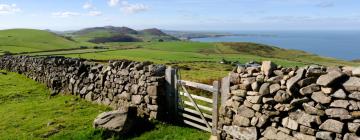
{"type": "Point", "coordinates": [29, 113]}
{"type": "Point", "coordinates": [28, 40]}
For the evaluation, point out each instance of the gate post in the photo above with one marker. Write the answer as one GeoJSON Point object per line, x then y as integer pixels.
{"type": "Point", "coordinates": [215, 113]}
{"type": "Point", "coordinates": [171, 92]}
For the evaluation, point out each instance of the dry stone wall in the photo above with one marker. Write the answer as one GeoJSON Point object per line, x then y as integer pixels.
{"type": "Point", "coordinates": [308, 103]}
{"type": "Point", "coordinates": [116, 84]}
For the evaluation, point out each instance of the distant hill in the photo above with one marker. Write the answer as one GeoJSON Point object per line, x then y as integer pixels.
{"type": "Point", "coordinates": [110, 32]}
{"type": "Point", "coordinates": [26, 40]}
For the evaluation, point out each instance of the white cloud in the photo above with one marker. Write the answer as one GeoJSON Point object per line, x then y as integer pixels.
{"type": "Point", "coordinates": [113, 3]}
{"type": "Point", "coordinates": [8, 9]}
{"type": "Point", "coordinates": [88, 5]}
{"type": "Point", "coordinates": [95, 13]}
{"type": "Point", "coordinates": [325, 5]}
{"type": "Point", "coordinates": [133, 8]}
{"type": "Point", "coordinates": [65, 14]}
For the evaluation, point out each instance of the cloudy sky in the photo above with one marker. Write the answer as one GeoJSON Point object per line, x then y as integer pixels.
{"type": "Point", "coordinates": [182, 14]}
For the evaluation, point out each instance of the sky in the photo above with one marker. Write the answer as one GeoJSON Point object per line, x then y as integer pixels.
{"type": "Point", "coordinates": [208, 15]}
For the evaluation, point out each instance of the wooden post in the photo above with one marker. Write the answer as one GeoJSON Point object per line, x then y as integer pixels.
{"type": "Point", "coordinates": [225, 90]}
{"type": "Point", "coordinates": [215, 113]}
{"type": "Point", "coordinates": [171, 93]}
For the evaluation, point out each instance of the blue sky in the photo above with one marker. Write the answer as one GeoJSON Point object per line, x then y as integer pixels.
{"type": "Point", "coordinates": [182, 14]}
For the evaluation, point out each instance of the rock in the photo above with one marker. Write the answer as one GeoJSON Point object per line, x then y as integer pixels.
{"type": "Point", "coordinates": [320, 97]}
{"type": "Point", "coordinates": [255, 86]}
{"type": "Point", "coordinates": [152, 90]}
{"type": "Point", "coordinates": [332, 126]}
{"type": "Point", "coordinates": [312, 110]}
{"type": "Point", "coordinates": [264, 89]}
{"type": "Point", "coordinates": [307, 81]}
{"type": "Point", "coordinates": [339, 94]}
{"type": "Point", "coordinates": [309, 89]}
{"type": "Point", "coordinates": [136, 99]}
{"type": "Point", "coordinates": [353, 84]}
{"type": "Point", "coordinates": [315, 71]}
{"type": "Point", "coordinates": [290, 123]}
{"type": "Point", "coordinates": [356, 71]}
{"type": "Point", "coordinates": [239, 93]}
{"type": "Point", "coordinates": [337, 112]}
{"type": "Point", "coordinates": [340, 103]}
{"type": "Point", "coordinates": [274, 88]}
{"type": "Point", "coordinates": [355, 114]}
{"type": "Point", "coordinates": [89, 96]}
{"type": "Point", "coordinates": [324, 135]}
{"type": "Point", "coordinates": [241, 121]}
{"type": "Point", "coordinates": [262, 120]}
{"type": "Point", "coordinates": [267, 67]}
{"type": "Point", "coordinates": [119, 121]}
{"type": "Point", "coordinates": [244, 133]}
{"type": "Point", "coordinates": [292, 81]}
{"type": "Point", "coordinates": [355, 95]}
{"type": "Point", "coordinates": [331, 77]}
{"type": "Point", "coordinates": [307, 130]}
{"type": "Point", "coordinates": [327, 90]}
{"type": "Point", "coordinates": [353, 127]}
{"type": "Point", "coordinates": [281, 96]}
{"type": "Point", "coordinates": [284, 136]}
{"type": "Point", "coordinates": [245, 112]}
{"type": "Point", "coordinates": [254, 99]}
{"type": "Point", "coordinates": [270, 133]}
{"type": "Point", "coordinates": [299, 101]}
{"type": "Point", "coordinates": [351, 136]}
{"type": "Point", "coordinates": [301, 136]}
{"type": "Point", "coordinates": [304, 118]}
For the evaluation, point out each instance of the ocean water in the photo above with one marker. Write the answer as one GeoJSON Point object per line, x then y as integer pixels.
{"type": "Point", "coordinates": [337, 44]}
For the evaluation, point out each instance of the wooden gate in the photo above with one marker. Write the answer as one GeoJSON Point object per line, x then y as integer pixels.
{"type": "Point", "coordinates": [197, 110]}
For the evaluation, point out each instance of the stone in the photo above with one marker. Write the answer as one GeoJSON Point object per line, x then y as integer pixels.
{"type": "Point", "coordinates": [267, 67]}
{"type": "Point", "coordinates": [299, 101]}
{"type": "Point", "coordinates": [355, 114]}
{"type": "Point", "coordinates": [304, 118]}
{"type": "Point", "coordinates": [340, 104]}
{"type": "Point", "coordinates": [320, 97]}
{"type": "Point", "coordinates": [255, 86]}
{"type": "Point", "coordinates": [119, 121]}
{"type": "Point", "coordinates": [340, 94]}
{"type": "Point", "coordinates": [262, 120]}
{"type": "Point", "coordinates": [355, 95]}
{"type": "Point", "coordinates": [89, 96]}
{"type": "Point", "coordinates": [292, 81]}
{"type": "Point", "coordinates": [336, 112]}
{"type": "Point", "coordinates": [351, 136]}
{"type": "Point", "coordinates": [307, 130]}
{"type": "Point", "coordinates": [239, 93]}
{"type": "Point", "coordinates": [324, 135]}
{"type": "Point", "coordinates": [152, 90]}
{"type": "Point", "coordinates": [274, 88]}
{"type": "Point", "coordinates": [254, 99]}
{"type": "Point", "coordinates": [270, 133]}
{"type": "Point", "coordinates": [244, 133]}
{"type": "Point", "coordinates": [241, 121]}
{"type": "Point", "coordinates": [136, 99]}
{"type": "Point", "coordinates": [356, 72]}
{"type": "Point", "coordinates": [309, 89]}
{"type": "Point", "coordinates": [281, 96]}
{"type": "Point", "coordinates": [331, 77]}
{"type": "Point", "coordinates": [327, 90]}
{"type": "Point", "coordinates": [264, 89]}
{"type": "Point", "coordinates": [284, 136]}
{"type": "Point", "coordinates": [307, 81]}
{"type": "Point", "coordinates": [301, 136]}
{"type": "Point", "coordinates": [353, 127]}
{"type": "Point", "coordinates": [246, 112]}
{"type": "Point", "coordinates": [312, 110]}
{"type": "Point", "coordinates": [290, 123]}
{"type": "Point", "coordinates": [353, 84]}
{"type": "Point", "coordinates": [332, 126]}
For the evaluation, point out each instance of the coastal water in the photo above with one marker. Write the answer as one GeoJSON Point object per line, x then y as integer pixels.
{"type": "Point", "coordinates": [338, 44]}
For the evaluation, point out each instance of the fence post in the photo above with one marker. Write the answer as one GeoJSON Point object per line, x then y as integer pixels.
{"type": "Point", "coordinates": [215, 113]}
{"type": "Point", "coordinates": [225, 89]}
{"type": "Point", "coordinates": [171, 96]}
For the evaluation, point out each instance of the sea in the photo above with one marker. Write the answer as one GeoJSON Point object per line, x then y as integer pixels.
{"type": "Point", "coordinates": [343, 45]}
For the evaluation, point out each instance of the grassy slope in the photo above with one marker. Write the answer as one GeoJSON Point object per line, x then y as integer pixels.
{"type": "Point", "coordinates": [26, 110]}
{"type": "Point", "coordinates": [203, 58]}
{"type": "Point", "coordinates": [28, 40]}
